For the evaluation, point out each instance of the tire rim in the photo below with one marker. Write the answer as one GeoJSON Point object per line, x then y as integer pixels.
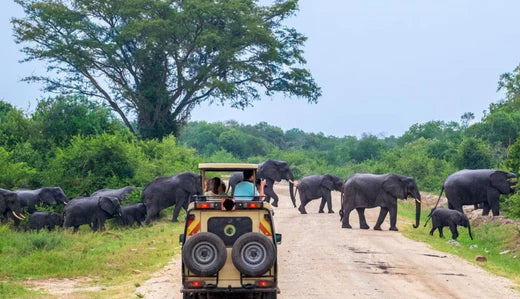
{"type": "Point", "coordinates": [253, 254]}
{"type": "Point", "coordinates": [204, 254]}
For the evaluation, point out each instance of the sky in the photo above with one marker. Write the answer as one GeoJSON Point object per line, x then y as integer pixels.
{"type": "Point", "coordinates": [383, 65]}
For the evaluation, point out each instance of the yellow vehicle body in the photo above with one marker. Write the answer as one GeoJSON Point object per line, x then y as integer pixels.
{"type": "Point", "coordinates": [230, 220]}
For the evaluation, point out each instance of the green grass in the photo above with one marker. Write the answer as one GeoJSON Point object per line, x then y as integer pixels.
{"type": "Point", "coordinates": [491, 239]}
{"type": "Point", "coordinates": [108, 258]}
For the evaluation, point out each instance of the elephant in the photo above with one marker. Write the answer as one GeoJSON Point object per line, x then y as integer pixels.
{"type": "Point", "coordinates": [10, 204]}
{"type": "Point", "coordinates": [445, 217]}
{"type": "Point", "coordinates": [164, 192]}
{"type": "Point", "coordinates": [120, 193]}
{"type": "Point", "coordinates": [91, 210]}
{"type": "Point", "coordinates": [47, 196]}
{"type": "Point", "coordinates": [41, 219]}
{"type": "Point", "coordinates": [272, 171]}
{"type": "Point", "coordinates": [365, 190]}
{"type": "Point", "coordinates": [132, 213]}
{"type": "Point", "coordinates": [473, 186]}
{"type": "Point", "coordinates": [316, 186]}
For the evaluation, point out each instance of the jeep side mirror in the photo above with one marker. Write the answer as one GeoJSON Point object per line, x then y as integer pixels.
{"type": "Point", "coordinates": [182, 237]}
{"type": "Point", "coordinates": [278, 238]}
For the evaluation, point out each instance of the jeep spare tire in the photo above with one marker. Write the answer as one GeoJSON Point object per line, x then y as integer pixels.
{"type": "Point", "coordinates": [204, 254]}
{"type": "Point", "coordinates": [253, 254]}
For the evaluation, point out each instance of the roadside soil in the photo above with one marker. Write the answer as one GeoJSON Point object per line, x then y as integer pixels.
{"type": "Point", "coordinates": [319, 259]}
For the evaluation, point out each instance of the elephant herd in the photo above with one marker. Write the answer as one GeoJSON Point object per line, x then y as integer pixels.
{"type": "Point", "coordinates": [478, 187]}
{"type": "Point", "coordinates": [359, 191]}
{"type": "Point", "coordinates": [177, 190]}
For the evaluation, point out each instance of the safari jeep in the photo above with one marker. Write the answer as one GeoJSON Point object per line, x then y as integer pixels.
{"type": "Point", "coordinates": [229, 244]}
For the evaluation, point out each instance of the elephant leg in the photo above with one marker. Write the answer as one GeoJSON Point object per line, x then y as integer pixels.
{"type": "Point", "coordinates": [454, 232]}
{"type": "Point", "coordinates": [75, 230]}
{"type": "Point", "coordinates": [485, 209]}
{"type": "Point", "coordinates": [494, 208]}
{"type": "Point", "coordinates": [440, 232]}
{"type": "Point", "coordinates": [151, 214]}
{"type": "Point", "coordinates": [432, 230]}
{"type": "Point", "coordinates": [345, 220]}
{"type": "Point", "coordinates": [393, 217]}
{"type": "Point", "coordinates": [304, 202]}
{"type": "Point", "coordinates": [269, 192]}
{"type": "Point", "coordinates": [322, 205]}
{"type": "Point", "coordinates": [381, 218]}
{"type": "Point", "coordinates": [326, 198]}
{"type": "Point", "coordinates": [176, 212]}
{"type": "Point", "coordinates": [362, 221]}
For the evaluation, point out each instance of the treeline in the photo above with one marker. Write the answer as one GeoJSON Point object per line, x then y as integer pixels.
{"type": "Point", "coordinates": [80, 146]}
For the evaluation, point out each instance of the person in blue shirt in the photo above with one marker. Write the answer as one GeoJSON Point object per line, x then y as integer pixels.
{"type": "Point", "coordinates": [246, 190]}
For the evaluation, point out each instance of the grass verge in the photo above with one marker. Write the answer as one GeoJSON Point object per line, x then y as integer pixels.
{"type": "Point", "coordinates": [498, 242]}
{"type": "Point", "coordinates": [118, 257]}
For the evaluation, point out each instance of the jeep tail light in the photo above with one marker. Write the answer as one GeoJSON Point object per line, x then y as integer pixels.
{"type": "Point", "coordinates": [203, 205]}
{"type": "Point", "coordinates": [264, 283]}
{"type": "Point", "coordinates": [254, 205]}
{"type": "Point", "coordinates": [195, 284]}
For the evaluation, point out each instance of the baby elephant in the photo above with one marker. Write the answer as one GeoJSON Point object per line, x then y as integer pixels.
{"type": "Point", "coordinates": [132, 213]}
{"type": "Point", "coordinates": [445, 217]}
{"type": "Point", "coordinates": [39, 220]}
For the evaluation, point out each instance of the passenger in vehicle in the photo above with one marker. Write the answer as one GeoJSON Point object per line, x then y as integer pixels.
{"type": "Point", "coordinates": [246, 190]}
{"type": "Point", "coordinates": [215, 187]}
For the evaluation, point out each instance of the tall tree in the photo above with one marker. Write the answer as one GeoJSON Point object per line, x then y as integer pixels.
{"type": "Point", "coordinates": [158, 59]}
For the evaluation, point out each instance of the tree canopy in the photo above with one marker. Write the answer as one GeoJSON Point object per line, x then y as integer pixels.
{"type": "Point", "coordinates": [157, 59]}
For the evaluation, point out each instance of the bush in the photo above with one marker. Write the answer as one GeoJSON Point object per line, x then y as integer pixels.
{"type": "Point", "coordinates": [15, 175]}
{"type": "Point", "coordinates": [92, 163]}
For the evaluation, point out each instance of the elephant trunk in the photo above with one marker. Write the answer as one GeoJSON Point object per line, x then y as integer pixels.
{"type": "Point", "coordinates": [417, 211]}
{"type": "Point", "coordinates": [469, 231]}
{"type": "Point", "coordinates": [291, 191]}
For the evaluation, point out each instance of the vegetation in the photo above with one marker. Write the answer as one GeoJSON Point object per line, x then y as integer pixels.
{"type": "Point", "coordinates": [497, 242]}
{"type": "Point", "coordinates": [116, 259]}
{"type": "Point", "coordinates": [158, 59]}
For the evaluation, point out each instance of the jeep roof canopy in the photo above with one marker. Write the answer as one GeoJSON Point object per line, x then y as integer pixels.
{"type": "Point", "coordinates": [226, 166]}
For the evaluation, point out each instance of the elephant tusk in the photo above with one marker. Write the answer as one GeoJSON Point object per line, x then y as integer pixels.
{"type": "Point", "coordinates": [293, 182]}
{"type": "Point", "coordinates": [417, 200]}
{"type": "Point", "coordinates": [17, 216]}
{"type": "Point", "coordinates": [65, 203]}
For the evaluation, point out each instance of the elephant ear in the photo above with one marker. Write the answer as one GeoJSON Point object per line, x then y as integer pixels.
{"type": "Point", "coordinates": [499, 181]}
{"type": "Point", "coordinates": [47, 196]}
{"type": "Point", "coordinates": [327, 182]}
{"type": "Point", "coordinates": [394, 187]}
{"type": "Point", "coordinates": [107, 205]}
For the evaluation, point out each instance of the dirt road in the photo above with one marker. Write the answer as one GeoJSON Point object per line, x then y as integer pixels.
{"type": "Point", "coordinates": [318, 259]}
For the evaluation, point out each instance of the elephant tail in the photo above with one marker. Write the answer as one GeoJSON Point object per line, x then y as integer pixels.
{"type": "Point", "coordinates": [341, 210]}
{"type": "Point", "coordinates": [436, 204]}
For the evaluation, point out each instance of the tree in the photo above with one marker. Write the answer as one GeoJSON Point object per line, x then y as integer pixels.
{"type": "Point", "coordinates": [59, 119]}
{"type": "Point", "coordinates": [158, 59]}
{"type": "Point", "coordinates": [465, 119]}
{"type": "Point", "coordinates": [473, 154]}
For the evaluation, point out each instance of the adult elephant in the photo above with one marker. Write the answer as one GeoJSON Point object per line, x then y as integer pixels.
{"type": "Point", "coordinates": [120, 193]}
{"type": "Point", "coordinates": [91, 210]}
{"type": "Point", "coordinates": [275, 171]}
{"type": "Point", "coordinates": [10, 204]}
{"type": "Point", "coordinates": [318, 186]}
{"type": "Point", "coordinates": [272, 171]}
{"type": "Point", "coordinates": [164, 192]}
{"type": "Point", "coordinates": [473, 186]}
{"type": "Point", "coordinates": [365, 190]}
{"type": "Point", "coordinates": [47, 196]}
